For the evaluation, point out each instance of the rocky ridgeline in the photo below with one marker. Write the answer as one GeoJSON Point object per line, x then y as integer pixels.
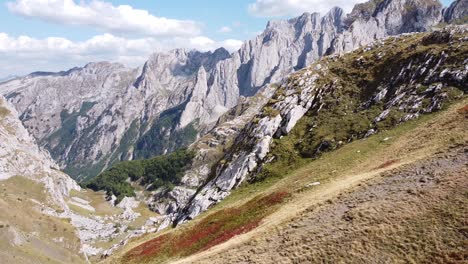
{"type": "Point", "coordinates": [253, 144]}
{"type": "Point", "coordinates": [91, 117]}
{"type": "Point", "coordinates": [210, 149]}
{"type": "Point", "coordinates": [419, 84]}
{"type": "Point", "coordinates": [457, 12]}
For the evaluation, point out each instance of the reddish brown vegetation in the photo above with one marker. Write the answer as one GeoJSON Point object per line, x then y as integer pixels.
{"type": "Point", "coordinates": [211, 231]}
{"type": "Point", "coordinates": [230, 234]}
{"type": "Point", "coordinates": [463, 110]}
{"type": "Point", "coordinates": [150, 247]}
{"type": "Point", "coordinates": [387, 164]}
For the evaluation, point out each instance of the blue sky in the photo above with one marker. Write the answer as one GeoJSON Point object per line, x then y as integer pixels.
{"type": "Point", "coordinates": [211, 14]}
{"type": "Point", "coordinates": [53, 35]}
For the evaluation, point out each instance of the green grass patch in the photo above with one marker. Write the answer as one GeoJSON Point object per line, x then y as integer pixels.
{"type": "Point", "coordinates": [80, 210]}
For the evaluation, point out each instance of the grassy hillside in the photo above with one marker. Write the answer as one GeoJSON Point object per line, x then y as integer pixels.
{"type": "Point", "coordinates": [363, 127]}
{"type": "Point", "coordinates": [27, 235]}
{"type": "Point", "coordinates": [337, 171]}
{"type": "Point", "coordinates": [393, 72]}
{"type": "Point", "coordinates": [397, 197]}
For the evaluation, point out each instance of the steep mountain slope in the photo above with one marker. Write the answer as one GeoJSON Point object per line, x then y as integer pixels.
{"type": "Point", "coordinates": [217, 175]}
{"type": "Point", "coordinates": [103, 112]}
{"type": "Point", "coordinates": [46, 217]}
{"type": "Point", "coordinates": [399, 192]}
{"type": "Point", "coordinates": [338, 100]}
{"type": "Point", "coordinates": [20, 156]}
{"type": "Point", "coordinates": [308, 135]}
{"type": "Point", "coordinates": [412, 213]}
{"type": "Point", "coordinates": [33, 193]}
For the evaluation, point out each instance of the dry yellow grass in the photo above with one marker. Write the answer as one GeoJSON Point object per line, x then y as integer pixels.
{"type": "Point", "coordinates": [97, 201]}
{"type": "Point", "coordinates": [34, 232]}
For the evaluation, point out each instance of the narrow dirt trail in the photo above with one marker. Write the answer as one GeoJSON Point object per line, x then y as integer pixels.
{"type": "Point", "coordinates": [412, 148]}
{"type": "Point", "coordinates": [319, 195]}
{"type": "Point", "coordinates": [343, 221]}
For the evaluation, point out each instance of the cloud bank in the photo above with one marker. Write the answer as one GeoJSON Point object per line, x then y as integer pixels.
{"type": "Point", "coordinates": [129, 36]}
{"type": "Point", "coordinates": [122, 19]}
{"type": "Point", "coordinates": [23, 54]}
{"type": "Point", "coordinates": [278, 8]}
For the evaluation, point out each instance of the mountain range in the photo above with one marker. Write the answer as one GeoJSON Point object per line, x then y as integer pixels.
{"type": "Point", "coordinates": [304, 87]}
{"type": "Point", "coordinates": [104, 112]}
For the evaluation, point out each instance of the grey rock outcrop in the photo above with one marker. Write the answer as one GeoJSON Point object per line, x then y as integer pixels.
{"type": "Point", "coordinates": [210, 149]}
{"type": "Point", "coordinates": [20, 156]}
{"type": "Point", "coordinates": [91, 117]}
{"type": "Point", "coordinates": [456, 12]}
{"type": "Point", "coordinates": [253, 143]}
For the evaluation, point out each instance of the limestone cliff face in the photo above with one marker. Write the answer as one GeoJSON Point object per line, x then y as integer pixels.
{"type": "Point", "coordinates": [91, 117]}
{"type": "Point", "coordinates": [456, 12]}
{"type": "Point", "coordinates": [20, 156]}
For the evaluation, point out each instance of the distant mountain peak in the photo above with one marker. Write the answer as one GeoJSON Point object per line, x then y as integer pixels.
{"type": "Point", "coordinates": [137, 107]}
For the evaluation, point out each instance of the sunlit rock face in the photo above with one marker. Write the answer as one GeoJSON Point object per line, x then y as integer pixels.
{"type": "Point", "coordinates": [457, 12]}
{"type": "Point", "coordinates": [20, 156]}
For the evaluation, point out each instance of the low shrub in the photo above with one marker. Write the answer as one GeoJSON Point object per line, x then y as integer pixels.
{"type": "Point", "coordinates": [211, 231]}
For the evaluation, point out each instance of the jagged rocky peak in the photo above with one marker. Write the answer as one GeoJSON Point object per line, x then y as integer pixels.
{"type": "Point", "coordinates": [335, 17]}
{"type": "Point", "coordinates": [182, 61]}
{"type": "Point", "coordinates": [285, 46]}
{"type": "Point", "coordinates": [457, 12]}
{"type": "Point", "coordinates": [194, 108]}
{"type": "Point", "coordinates": [399, 16]}
{"type": "Point", "coordinates": [307, 22]}
{"type": "Point", "coordinates": [208, 59]}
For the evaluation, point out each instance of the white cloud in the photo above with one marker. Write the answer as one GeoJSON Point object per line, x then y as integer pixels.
{"type": "Point", "coordinates": [205, 44]}
{"type": "Point", "coordinates": [23, 54]}
{"type": "Point", "coordinates": [122, 19]}
{"type": "Point", "coordinates": [232, 44]}
{"type": "Point", "coordinates": [275, 8]}
{"type": "Point", "coordinates": [225, 29]}
{"type": "Point", "coordinates": [129, 36]}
